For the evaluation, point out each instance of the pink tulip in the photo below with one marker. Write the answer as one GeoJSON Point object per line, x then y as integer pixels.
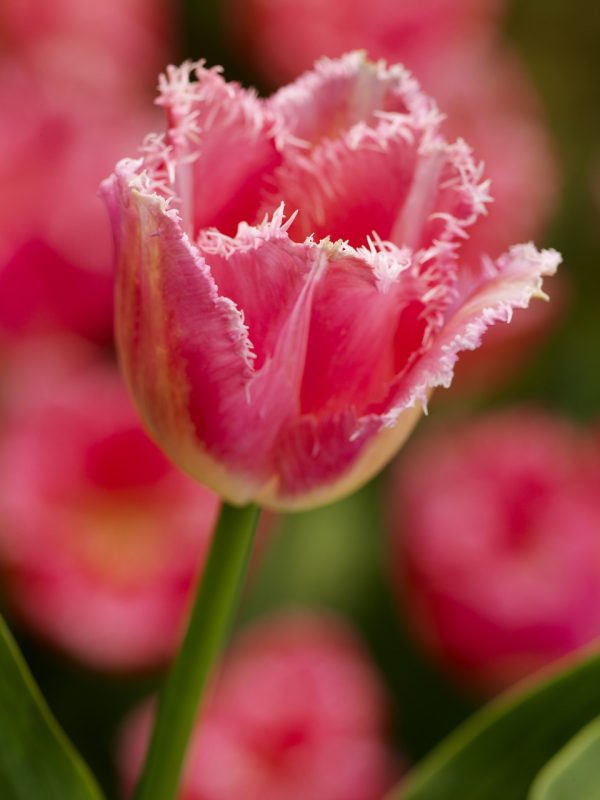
{"type": "Point", "coordinates": [100, 537]}
{"type": "Point", "coordinates": [298, 712]}
{"type": "Point", "coordinates": [496, 547]}
{"type": "Point", "coordinates": [285, 362]}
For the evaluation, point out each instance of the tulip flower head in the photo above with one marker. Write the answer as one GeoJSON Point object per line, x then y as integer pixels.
{"type": "Point", "coordinates": [495, 535]}
{"type": "Point", "coordinates": [297, 712]}
{"type": "Point", "coordinates": [283, 360]}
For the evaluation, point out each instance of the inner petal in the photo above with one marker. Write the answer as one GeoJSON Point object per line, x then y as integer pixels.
{"type": "Point", "coordinates": [356, 338]}
{"type": "Point", "coordinates": [224, 149]}
{"type": "Point", "coordinates": [348, 192]}
{"type": "Point", "coordinates": [337, 94]}
{"type": "Point", "coordinates": [264, 279]}
{"type": "Point", "coordinates": [389, 181]}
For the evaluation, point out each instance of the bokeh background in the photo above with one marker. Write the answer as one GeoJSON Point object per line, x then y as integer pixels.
{"type": "Point", "coordinates": [100, 539]}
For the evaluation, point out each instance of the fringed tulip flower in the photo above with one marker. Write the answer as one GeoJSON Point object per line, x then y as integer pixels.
{"type": "Point", "coordinates": [284, 361]}
{"type": "Point", "coordinates": [298, 712]}
{"type": "Point", "coordinates": [101, 538]}
{"type": "Point", "coordinates": [496, 546]}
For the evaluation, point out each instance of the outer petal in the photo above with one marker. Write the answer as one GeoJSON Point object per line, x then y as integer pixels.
{"type": "Point", "coordinates": [186, 352]}
{"type": "Point", "coordinates": [490, 297]}
{"type": "Point", "coordinates": [168, 312]}
{"type": "Point", "coordinates": [322, 461]}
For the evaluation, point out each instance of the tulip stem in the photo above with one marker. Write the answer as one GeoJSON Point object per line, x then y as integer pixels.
{"type": "Point", "coordinates": [209, 623]}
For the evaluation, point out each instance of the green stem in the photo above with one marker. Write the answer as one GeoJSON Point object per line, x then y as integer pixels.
{"type": "Point", "coordinates": [209, 623]}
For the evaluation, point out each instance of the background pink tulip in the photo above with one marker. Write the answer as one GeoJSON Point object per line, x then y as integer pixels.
{"type": "Point", "coordinates": [269, 360]}
{"type": "Point", "coordinates": [495, 539]}
{"type": "Point", "coordinates": [74, 83]}
{"type": "Point", "coordinates": [110, 47]}
{"type": "Point", "coordinates": [55, 248]}
{"type": "Point", "coordinates": [297, 712]}
{"type": "Point", "coordinates": [100, 537]}
{"type": "Point", "coordinates": [398, 30]}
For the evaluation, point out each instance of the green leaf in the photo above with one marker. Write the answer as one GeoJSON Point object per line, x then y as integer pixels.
{"type": "Point", "coordinates": [575, 771]}
{"type": "Point", "coordinates": [37, 761]}
{"type": "Point", "coordinates": [498, 752]}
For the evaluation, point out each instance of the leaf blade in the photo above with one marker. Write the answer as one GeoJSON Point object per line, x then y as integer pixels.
{"type": "Point", "coordinates": [499, 751]}
{"type": "Point", "coordinates": [574, 771]}
{"type": "Point", "coordinates": [37, 761]}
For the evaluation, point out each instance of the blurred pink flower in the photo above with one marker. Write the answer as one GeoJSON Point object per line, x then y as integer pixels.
{"type": "Point", "coordinates": [298, 712]}
{"type": "Point", "coordinates": [55, 243]}
{"type": "Point", "coordinates": [496, 543]}
{"type": "Point", "coordinates": [74, 82]}
{"type": "Point", "coordinates": [269, 360]}
{"type": "Point", "coordinates": [100, 537]}
{"type": "Point", "coordinates": [104, 46]}
{"type": "Point", "coordinates": [282, 38]}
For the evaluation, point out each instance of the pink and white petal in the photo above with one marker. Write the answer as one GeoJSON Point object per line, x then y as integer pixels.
{"type": "Point", "coordinates": [502, 286]}
{"type": "Point", "coordinates": [221, 145]}
{"type": "Point", "coordinates": [272, 395]}
{"type": "Point", "coordinates": [347, 190]}
{"type": "Point", "coordinates": [186, 351]}
{"type": "Point", "coordinates": [322, 460]}
{"type": "Point", "coordinates": [368, 319]}
{"type": "Point", "coordinates": [338, 94]}
{"type": "Point", "coordinates": [356, 448]}
{"type": "Point", "coordinates": [263, 272]}
{"type": "Point", "coordinates": [403, 182]}
{"type": "Point", "coordinates": [174, 332]}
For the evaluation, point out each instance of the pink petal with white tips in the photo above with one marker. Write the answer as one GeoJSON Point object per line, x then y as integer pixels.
{"type": "Point", "coordinates": [503, 286]}
{"type": "Point", "coordinates": [221, 145]}
{"type": "Point", "coordinates": [363, 153]}
{"type": "Point", "coordinates": [338, 94]}
{"type": "Point", "coordinates": [331, 455]}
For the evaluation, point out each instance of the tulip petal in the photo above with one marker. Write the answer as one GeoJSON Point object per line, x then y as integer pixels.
{"type": "Point", "coordinates": [171, 320]}
{"type": "Point", "coordinates": [373, 313]}
{"type": "Point", "coordinates": [337, 94]}
{"type": "Point", "coordinates": [482, 300]}
{"type": "Point", "coordinates": [220, 142]}
{"type": "Point", "coordinates": [321, 458]}
{"type": "Point", "coordinates": [319, 461]}
{"type": "Point", "coordinates": [275, 279]}
{"type": "Point", "coordinates": [398, 177]}
{"type": "Point", "coordinates": [248, 270]}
